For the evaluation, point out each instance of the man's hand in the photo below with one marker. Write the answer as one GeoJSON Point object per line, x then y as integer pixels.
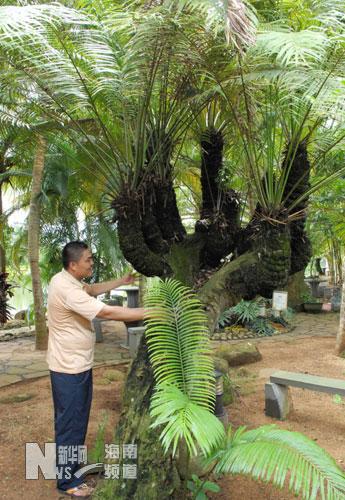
{"type": "Point", "coordinates": [128, 279]}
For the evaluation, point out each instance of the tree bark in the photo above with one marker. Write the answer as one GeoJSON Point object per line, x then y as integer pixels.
{"type": "Point", "coordinates": [2, 238]}
{"type": "Point", "coordinates": [340, 343]}
{"type": "Point", "coordinates": [33, 245]}
{"type": "Point", "coordinates": [157, 474]}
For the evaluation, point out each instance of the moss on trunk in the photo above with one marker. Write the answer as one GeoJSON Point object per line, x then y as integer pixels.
{"type": "Point", "coordinates": [184, 259]}
{"type": "Point", "coordinates": [157, 476]}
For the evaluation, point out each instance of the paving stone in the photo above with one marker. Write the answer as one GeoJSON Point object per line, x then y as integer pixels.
{"type": "Point", "coordinates": [8, 379]}
{"type": "Point", "coordinates": [36, 374]}
{"type": "Point", "coordinates": [18, 370]}
{"type": "Point", "coordinates": [38, 367]}
{"type": "Point", "coordinates": [19, 362]}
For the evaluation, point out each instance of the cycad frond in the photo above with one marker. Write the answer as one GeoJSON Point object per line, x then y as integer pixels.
{"type": "Point", "coordinates": [178, 342]}
{"type": "Point", "coordinates": [179, 350]}
{"type": "Point", "coordinates": [272, 454]}
{"type": "Point", "coordinates": [184, 419]}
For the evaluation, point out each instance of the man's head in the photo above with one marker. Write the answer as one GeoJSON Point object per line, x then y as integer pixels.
{"type": "Point", "coordinates": [77, 259]}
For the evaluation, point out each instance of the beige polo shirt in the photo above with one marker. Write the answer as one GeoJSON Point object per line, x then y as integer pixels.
{"type": "Point", "coordinates": [71, 309]}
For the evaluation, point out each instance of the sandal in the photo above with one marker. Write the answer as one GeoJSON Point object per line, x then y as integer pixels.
{"type": "Point", "coordinates": [81, 491]}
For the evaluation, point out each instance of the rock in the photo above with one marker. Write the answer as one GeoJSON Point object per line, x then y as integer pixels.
{"type": "Point", "coordinates": [221, 364]}
{"type": "Point", "coordinates": [14, 333]}
{"type": "Point", "coordinates": [239, 354]}
{"type": "Point", "coordinates": [113, 375]}
{"type": "Point", "coordinates": [21, 314]}
{"type": "Point", "coordinates": [296, 289]}
{"type": "Point", "coordinates": [14, 323]}
{"type": "Point", "coordinates": [102, 381]}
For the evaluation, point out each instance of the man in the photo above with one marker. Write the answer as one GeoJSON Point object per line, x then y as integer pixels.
{"type": "Point", "coordinates": [71, 308]}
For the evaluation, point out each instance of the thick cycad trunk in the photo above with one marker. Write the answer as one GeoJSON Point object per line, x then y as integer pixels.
{"type": "Point", "coordinates": [263, 263]}
{"type": "Point", "coordinates": [219, 215]}
{"type": "Point", "coordinates": [157, 476]}
{"type": "Point", "coordinates": [33, 245]}
{"type": "Point", "coordinates": [297, 184]}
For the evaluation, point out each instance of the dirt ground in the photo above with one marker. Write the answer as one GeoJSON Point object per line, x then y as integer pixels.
{"type": "Point", "coordinates": [319, 416]}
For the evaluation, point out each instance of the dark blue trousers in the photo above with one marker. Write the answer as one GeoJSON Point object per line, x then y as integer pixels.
{"type": "Point", "coordinates": [72, 396]}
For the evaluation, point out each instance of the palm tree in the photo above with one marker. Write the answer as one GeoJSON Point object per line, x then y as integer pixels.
{"type": "Point", "coordinates": [33, 245]}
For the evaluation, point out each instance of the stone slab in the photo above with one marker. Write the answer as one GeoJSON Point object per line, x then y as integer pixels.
{"type": "Point", "coordinates": [18, 370]}
{"type": "Point", "coordinates": [8, 379]}
{"type": "Point", "coordinates": [311, 382]}
{"type": "Point", "coordinates": [35, 374]}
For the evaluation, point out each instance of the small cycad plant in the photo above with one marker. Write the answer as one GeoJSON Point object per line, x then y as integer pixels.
{"type": "Point", "coordinates": [180, 354]}
{"type": "Point", "coordinates": [182, 407]}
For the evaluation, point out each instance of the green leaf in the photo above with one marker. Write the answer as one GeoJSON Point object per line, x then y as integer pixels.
{"type": "Point", "coordinates": [272, 454]}
{"type": "Point", "coordinates": [211, 487]}
{"type": "Point", "coordinates": [337, 399]}
{"type": "Point", "coordinates": [201, 496]}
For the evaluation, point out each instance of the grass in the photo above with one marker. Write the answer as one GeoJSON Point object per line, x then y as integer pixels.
{"type": "Point", "coordinates": [17, 398]}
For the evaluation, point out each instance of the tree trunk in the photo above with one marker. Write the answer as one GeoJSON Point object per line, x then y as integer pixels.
{"type": "Point", "coordinates": [157, 474]}
{"type": "Point", "coordinates": [33, 246]}
{"type": "Point", "coordinates": [2, 237]}
{"type": "Point", "coordinates": [340, 343]}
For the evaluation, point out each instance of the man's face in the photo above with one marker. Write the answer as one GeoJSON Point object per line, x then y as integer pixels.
{"type": "Point", "coordinates": [84, 267]}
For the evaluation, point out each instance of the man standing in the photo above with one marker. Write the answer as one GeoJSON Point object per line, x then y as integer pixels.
{"type": "Point", "coordinates": [71, 308]}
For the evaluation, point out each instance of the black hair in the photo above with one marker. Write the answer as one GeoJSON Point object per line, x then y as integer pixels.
{"type": "Point", "coordinates": [72, 252]}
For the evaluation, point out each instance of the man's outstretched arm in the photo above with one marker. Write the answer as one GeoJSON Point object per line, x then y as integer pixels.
{"type": "Point", "coordinates": [119, 313]}
{"type": "Point", "coordinates": [99, 288]}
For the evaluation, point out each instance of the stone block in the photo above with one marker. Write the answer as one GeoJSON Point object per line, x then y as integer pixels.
{"type": "Point", "coordinates": [277, 401]}
{"type": "Point", "coordinates": [221, 364]}
{"type": "Point", "coordinates": [135, 334]}
{"type": "Point", "coordinates": [239, 354]}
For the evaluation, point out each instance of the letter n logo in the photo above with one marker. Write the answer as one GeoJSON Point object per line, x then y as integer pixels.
{"type": "Point", "coordinates": [34, 459]}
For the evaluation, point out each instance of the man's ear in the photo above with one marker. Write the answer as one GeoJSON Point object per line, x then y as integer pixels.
{"type": "Point", "coordinates": [72, 265]}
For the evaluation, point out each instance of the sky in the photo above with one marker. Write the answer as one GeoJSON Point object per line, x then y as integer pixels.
{"type": "Point", "coordinates": [19, 216]}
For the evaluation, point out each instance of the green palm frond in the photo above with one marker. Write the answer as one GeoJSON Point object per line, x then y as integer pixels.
{"type": "Point", "coordinates": [292, 48]}
{"type": "Point", "coordinates": [281, 457]}
{"type": "Point", "coordinates": [178, 342]}
{"type": "Point", "coordinates": [184, 420]}
{"type": "Point", "coordinates": [179, 350]}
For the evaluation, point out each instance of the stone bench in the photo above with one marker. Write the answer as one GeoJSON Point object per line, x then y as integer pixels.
{"type": "Point", "coordinates": [276, 390]}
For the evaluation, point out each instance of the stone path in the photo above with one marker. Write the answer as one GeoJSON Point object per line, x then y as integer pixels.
{"type": "Point", "coordinates": [20, 361]}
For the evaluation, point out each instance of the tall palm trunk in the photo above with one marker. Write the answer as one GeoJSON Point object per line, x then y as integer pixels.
{"type": "Point", "coordinates": [33, 245]}
{"type": "Point", "coordinates": [2, 238]}
{"type": "Point", "coordinates": [340, 343]}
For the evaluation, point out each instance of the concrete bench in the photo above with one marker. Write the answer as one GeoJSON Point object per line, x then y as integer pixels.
{"type": "Point", "coordinates": [276, 390]}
